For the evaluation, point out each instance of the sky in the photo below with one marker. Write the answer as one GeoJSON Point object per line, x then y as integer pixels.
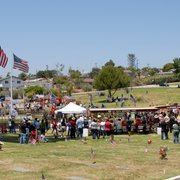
{"type": "Point", "coordinates": [82, 34]}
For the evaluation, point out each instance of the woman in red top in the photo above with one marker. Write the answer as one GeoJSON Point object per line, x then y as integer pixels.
{"type": "Point", "coordinates": [54, 127]}
{"type": "Point", "coordinates": [108, 126]}
{"type": "Point", "coordinates": [73, 127]}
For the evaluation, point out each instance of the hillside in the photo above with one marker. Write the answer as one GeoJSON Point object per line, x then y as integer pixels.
{"type": "Point", "coordinates": [143, 96]}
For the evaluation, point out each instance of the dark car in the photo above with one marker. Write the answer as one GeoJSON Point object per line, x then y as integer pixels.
{"type": "Point", "coordinates": [164, 84]}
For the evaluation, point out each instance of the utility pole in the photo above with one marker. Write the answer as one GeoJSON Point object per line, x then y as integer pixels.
{"type": "Point", "coordinates": [137, 63]}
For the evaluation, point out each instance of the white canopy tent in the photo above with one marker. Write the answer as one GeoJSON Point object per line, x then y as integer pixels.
{"type": "Point", "coordinates": [71, 108]}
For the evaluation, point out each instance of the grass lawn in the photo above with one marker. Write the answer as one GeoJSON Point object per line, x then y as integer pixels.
{"type": "Point", "coordinates": [145, 97]}
{"type": "Point", "coordinates": [72, 159]}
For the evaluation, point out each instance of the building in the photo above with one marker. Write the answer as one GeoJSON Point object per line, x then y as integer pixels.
{"type": "Point", "coordinates": [86, 82]}
{"type": "Point", "coordinates": [5, 83]}
{"type": "Point", "coordinates": [42, 82]}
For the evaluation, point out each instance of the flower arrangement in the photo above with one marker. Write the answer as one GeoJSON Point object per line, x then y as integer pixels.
{"type": "Point", "coordinates": [1, 144]}
{"type": "Point", "coordinates": [163, 152]}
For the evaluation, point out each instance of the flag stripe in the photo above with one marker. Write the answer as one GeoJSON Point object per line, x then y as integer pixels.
{"type": "Point", "coordinates": [20, 64]}
{"type": "Point", "coordinates": [3, 58]}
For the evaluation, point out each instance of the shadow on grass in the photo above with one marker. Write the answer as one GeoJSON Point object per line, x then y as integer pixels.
{"type": "Point", "coordinates": [14, 138]}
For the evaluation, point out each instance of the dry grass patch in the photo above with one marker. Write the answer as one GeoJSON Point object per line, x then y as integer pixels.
{"type": "Point", "coordinates": [72, 159]}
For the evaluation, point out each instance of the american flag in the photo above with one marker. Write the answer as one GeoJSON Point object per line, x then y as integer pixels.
{"type": "Point", "coordinates": [52, 97]}
{"type": "Point", "coordinates": [20, 64]}
{"type": "Point", "coordinates": [3, 58]}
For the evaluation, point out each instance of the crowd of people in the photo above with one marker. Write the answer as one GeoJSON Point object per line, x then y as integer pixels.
{"type": "Point", "coordinates": [98, 126]}
{"type": "Point", "coordinates": [32, 131]}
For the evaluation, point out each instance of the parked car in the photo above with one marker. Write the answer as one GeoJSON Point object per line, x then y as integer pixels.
{"type": "Point", "coordinates": [164, 84]}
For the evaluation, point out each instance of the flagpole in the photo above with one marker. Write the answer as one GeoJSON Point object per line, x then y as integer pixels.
{"type": "Point", "coordinates": [11, 91]}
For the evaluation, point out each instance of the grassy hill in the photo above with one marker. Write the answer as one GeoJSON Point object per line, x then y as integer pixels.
{"type": "Point", "coordinates": [144, 97]}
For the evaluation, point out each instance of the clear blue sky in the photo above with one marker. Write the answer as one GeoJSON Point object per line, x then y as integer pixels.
{"type": "Point", "coordinates": [82, 34]}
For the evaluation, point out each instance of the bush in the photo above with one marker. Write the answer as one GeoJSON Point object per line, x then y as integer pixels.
{"type": "Point", "coordinates": [160, 79]}
{"type": "Point", "coordinates": [87, 88]}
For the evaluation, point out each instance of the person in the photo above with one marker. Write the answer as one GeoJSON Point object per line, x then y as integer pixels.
{"type": "Point", "coordinates": [89, 125]}
{"type": "Point", "coordinates": [102, 128]}
{"type": "Point", "coordinates": [63, 127]}
{"type": "Point", "coordinates": [94, 129]}
{"type": "Point", "coordinates": [46, 125]}
{"type": "Point", "coordinates": [144, 124]}
{"type": "Point", "coordinates": [22, 128]}
{"type": "Point", "coordinates": [37, 126]}
{"type": "Point", "coordinates": [13, 126]}
{"type": "Point", "coordinates": [54, 127]}
{"type": "Point", "coordinates": [99, 127]}
{"type": "Point", "coordinates": [176, 132]}
{"type": "Point", "coordinates": [108, 127]}
{"type": "Point", "coordinates": [137, 123]}
{"type": "Point", "coordinates": [119, 126]}
{"type": "Point", "coordinates": [163, 127]}
{"type": "Point", "coordinates": [42, 127]}
{"type": "Point", "coordinates": [53, 108]}
{"type": "Point", "coordinates": [156, 120]}
{"type": "Point", "coordinates": [79, 125]}
{"type": "Point", "coordinates": [43, 138]}
{"type": "Point", "coordinates": [128, 125]}
{"type": "Point", "coordinates": [171, 122]}
{"type": "Point", "coordinates": [112, 131]}
{"type": "Point", "coordinates": [85, 128]}
{"type": "Point", "coordinates": [167, 127]}
{"type": "Point", "coordinates": [68, 128]}
{"type": "Point", "coordinates": [73, 127]}
{"type": "Point", "coordinates": [9, 126]}
{"type": "Point", "coordinates": [86, 123]}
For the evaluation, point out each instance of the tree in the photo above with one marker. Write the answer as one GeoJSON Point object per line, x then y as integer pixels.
{"type": "Point", "coordinates": [46, 74]}
{"type": "Point", "coordinates": [111, 78]}
{"type": "Point", "coordinates": [153, 71]}
{"type": "Point", "coordinates": [149, 71]}
{"type": "Point", "coordinates": [69, 87]}
{"type": "Point", "coordinates": [31, 90]}
{"type": "Point", "coordinates": [23, 76]}
{"type": "Point", "coordinates": [168, 67]}
{"type": "Point", "coordinates": [75, 76]}
{"type": "Point", "coordinates": [60, 80]}
{"type": "Point", "coordinates": [176, 65]}
{"type": "Point", "coordinates": [94, 72]}
{"type": "Point", "coordinates": [65, 84]}
{"type": "Point", "coordinates": [110, 62]}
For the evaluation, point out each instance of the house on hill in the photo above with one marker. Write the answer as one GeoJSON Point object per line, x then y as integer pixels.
{"type": "Point", "coordinates": [17, 83]}
{"type": "Point", "coordinates": [86, 82]}
{"type": "Point", "coordinates": [42, 82]}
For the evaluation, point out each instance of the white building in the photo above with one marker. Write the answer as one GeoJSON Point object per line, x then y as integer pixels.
{"type": "Point", "coordinates": [42, 82]}
{"type": "Point", "coordinates": [5, 83]}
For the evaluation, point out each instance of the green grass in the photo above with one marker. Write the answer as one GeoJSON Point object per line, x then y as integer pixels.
{"type": "Point", "coordinates": [144, 96]}
{"type": "Point", "coordinates": [72, 159]}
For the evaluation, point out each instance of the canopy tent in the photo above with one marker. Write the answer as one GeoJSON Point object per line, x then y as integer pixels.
{"type": "Point", "coordinates": [71, 108]}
